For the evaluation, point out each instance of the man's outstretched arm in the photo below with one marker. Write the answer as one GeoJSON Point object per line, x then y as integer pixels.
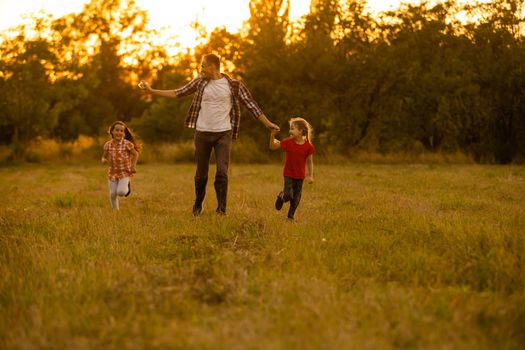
{"type": "Point", "coordinates": [164, 93]}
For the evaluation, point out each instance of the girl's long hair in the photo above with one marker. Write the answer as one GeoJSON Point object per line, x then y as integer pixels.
{"type": "Point", "coordinates": [128, 135]}
{"type": "Point", "coordinates": [306, 129]}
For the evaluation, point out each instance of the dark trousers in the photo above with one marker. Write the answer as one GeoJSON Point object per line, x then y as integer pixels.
{"type": "Point", "coordinates": [204, 143]}
{"type": "Point", "coordinates": [292, 191]}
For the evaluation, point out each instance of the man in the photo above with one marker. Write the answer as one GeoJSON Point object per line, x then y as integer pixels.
{"type": "Point", "coordinates": [215, 113]}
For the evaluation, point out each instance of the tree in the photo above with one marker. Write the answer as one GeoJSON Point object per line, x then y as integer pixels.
{"type": "Point", "coordinates": [263, 62]}
{"type": "Point", "coordinates": [113, 37]}
{"type": "Point", "coordinates": [498, 55]}
{"type": "Point", "coordinates": [28, 108]}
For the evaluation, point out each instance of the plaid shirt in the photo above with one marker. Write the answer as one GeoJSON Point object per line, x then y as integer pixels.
{"type": "Point", "coordinates": [119, 157]}
{"type": "Point", "coordinates": [239, 93]}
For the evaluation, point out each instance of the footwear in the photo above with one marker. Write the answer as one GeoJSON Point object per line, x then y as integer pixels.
{"type": "Point", "coordinates": [197, 210]}
{"type": "Point", "coordinates": [220, 211]}
{"type": "Point", "coordinates": [129, 189]}
{"type": "Point", "coordinates": [279, 201]}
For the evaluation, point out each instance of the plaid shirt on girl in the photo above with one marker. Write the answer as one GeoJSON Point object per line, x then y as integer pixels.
{"type": "Point", "coordinates": [119, 157]}
{"type": "Point", "coordinates": [238, 92]}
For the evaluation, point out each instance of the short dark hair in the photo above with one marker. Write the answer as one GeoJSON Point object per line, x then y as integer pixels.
{"type": "Point", "coordinates": [213, 59]}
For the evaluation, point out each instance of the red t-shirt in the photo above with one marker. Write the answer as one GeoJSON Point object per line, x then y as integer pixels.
{"type": "Point", "coordinates": [295, 162]}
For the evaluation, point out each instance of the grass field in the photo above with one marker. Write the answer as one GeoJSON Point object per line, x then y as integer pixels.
{"type": "Point", "coordinates": [381, 256]}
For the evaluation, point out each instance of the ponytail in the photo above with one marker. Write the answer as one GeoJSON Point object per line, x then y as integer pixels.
{"type": "Point", "coordinates": [305, 127]}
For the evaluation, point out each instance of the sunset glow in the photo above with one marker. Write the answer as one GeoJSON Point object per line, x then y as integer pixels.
{"type": "Point", "coordinates": [172, 17]}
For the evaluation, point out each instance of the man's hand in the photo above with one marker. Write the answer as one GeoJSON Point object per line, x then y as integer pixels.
{"type": "Point", "coordinates": [144, 86]}
{"type": "Point", "coordinates": [133, 170]}
{"type": "Point", "coordinates": [104, 160]}
{"type": "Point", "coordinates": [310, 179]}
{"type": "Point", "coordinates": [273, 126]}
{"type": "Point", "coordinates": [262, 118]}
{"type": "Point", "coordinates": [274, 132]}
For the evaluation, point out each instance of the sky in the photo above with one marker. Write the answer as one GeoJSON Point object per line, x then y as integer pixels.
{"type": "Point", "coordinates": [173, 16]}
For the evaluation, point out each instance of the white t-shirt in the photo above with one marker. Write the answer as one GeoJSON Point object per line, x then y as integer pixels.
{"type": "Point", "coordinates": [214, 114]}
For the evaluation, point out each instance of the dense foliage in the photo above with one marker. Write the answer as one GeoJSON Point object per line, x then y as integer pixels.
{"type": "Point", "coordinates": [418, 78]}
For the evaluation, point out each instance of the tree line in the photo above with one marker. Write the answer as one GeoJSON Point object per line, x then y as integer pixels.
{"type": "Point", "coordinates": [420, 78]}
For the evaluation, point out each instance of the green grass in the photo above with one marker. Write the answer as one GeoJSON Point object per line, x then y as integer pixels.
{"type": "Point", "coordinates": [381, 256]}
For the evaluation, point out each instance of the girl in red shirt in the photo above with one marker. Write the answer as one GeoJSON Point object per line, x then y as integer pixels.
{"type": "Point", "coordinates": [298, 164]}
{"type": "Point", "coordinates": [121, 153]}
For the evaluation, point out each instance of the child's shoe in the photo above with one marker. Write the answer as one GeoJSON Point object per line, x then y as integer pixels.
{"type": "Point", "coordinates": [279, 201]}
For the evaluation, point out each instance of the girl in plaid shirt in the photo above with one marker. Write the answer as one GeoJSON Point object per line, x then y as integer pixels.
{"type": "Point", "coordinates": [121, 153]}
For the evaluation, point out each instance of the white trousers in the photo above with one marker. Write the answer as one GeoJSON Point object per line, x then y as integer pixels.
{"type": "Point", "coordinates": [117, 188]}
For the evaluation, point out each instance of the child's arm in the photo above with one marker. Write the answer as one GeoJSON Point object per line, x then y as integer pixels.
{"type": "Point", "coordinates": [274, 143]}
{"type": "Point", "coordinates": [134, 159]}
{"type": "Point", "coordinates": [105, 157]}
{"type": "Point", "coordinates": [310, 168]}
